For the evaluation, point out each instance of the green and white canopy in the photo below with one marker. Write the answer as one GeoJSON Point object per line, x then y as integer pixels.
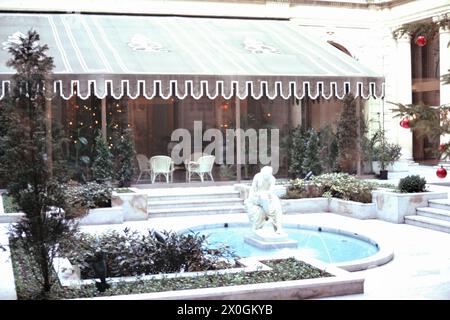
{"type": "Point", "coordinates": [180, 56]}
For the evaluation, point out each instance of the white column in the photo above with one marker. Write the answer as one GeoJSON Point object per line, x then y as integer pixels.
{"type": "Point", "coordinates": [444, 62]}
{"type": "Point", "coordinates": [444, 67]}
{"type": "Point", "coordinates": [404, 93]}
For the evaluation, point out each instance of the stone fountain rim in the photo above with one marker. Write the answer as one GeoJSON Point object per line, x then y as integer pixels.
{"type": "Point", "coordinates": [384, 254]}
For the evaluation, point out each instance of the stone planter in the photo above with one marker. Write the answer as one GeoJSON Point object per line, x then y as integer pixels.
{"type": "Point", "coordinates": [341, 283]}
{"type": "Point", "coordinates": [394, 206]}
{"type": "Point", "coordinates": [103, 216]}
{"type": "Point", "coordinates": [353, 209]}
{"type": "Point", "coordinates": [280, 190]}
{"type": "Point", "coordinates": [133, 204]}
{"type": "Point", "coordinates": [306, 205]}
{"type": "Point", "coordinates": [397, 166]}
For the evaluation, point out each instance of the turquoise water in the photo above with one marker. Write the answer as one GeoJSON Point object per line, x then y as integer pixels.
{"type": "Point", "coordinates": [322, 245]}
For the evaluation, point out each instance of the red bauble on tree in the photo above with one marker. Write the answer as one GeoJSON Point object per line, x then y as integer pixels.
{"type": "Point", "coordinates": [421, 41]}
{"type": "Point", "coordinates": [405, 123]}
{"type": "Point", "coordinates": [442, 147]}
{"type": "Point", "coordinates": [441, 172]}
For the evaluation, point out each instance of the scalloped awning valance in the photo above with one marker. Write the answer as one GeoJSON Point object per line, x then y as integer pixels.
{"type": "Point", "coordinates": [180, 56]}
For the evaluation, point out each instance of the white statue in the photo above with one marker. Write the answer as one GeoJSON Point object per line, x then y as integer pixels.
{"type": "Point", "coordinates": [262, 204]}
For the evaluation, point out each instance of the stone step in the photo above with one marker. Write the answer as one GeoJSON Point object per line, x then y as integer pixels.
{"type": "Point", "coordinates": [194, 203]}
{"type": "Point", "coordinates": [435, 213]}
{"type": "Point", "coordinates": [440, 204]}
{"type": "Point", "coordinates": [195, 211]}
{"type": "Point", "coordinates": [429, 223]}
{"type": "Point", "coordinates": [182, 196]}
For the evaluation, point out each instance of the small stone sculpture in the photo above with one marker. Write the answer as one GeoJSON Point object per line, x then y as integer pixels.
{"type": "Point", "coordinates": [262, 204]}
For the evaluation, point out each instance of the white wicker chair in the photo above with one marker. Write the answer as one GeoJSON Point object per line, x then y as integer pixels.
{"type": "Point", "coordinates": [203, 166]}
{"type": "Point", "coordinates": [161, 165]}
{"type": "Point", "coordinates": [144, 166]}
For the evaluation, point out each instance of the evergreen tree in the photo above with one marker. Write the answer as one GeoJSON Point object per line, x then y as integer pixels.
{"type": "Point", "coordinates": [102, 166]}
{"type": "Point", "coordinates": [328, 148]}
{"type": "Point", "coordinates": [24, 158]}
{"type": "Point", "coordinates": [297, 148]}
{"type": "Point", "coordinates": [125, 153]}
{"type": "Point", "coordinates": [311, 159]}
{"type": "Point", "coordinates": [347, 136]}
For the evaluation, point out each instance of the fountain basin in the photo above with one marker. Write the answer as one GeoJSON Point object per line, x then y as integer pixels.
{"type": "Point", "coordinates": [347, 249]}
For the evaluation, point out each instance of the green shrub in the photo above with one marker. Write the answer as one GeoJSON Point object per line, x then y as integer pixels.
{"type": "Point", "coordinates": [9, 205]}
{"type": "Point", "coordinates": [81, 197]}
{"type": "Point", "coordinates": [413, 183]}
{"type": "Point", "coordinates": [299, 189]}
{"type": "Point", "coordinates": [344, 186]}
{"type": "Point", "coordinates": [131, 253]}
{"type": "Point", "coordinates": [306, 152]}
{"type": "Point", "coordinates": [338, 185]}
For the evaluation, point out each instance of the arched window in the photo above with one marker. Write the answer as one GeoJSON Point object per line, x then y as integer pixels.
{"type": "Point", "coordinates": [340, 47]}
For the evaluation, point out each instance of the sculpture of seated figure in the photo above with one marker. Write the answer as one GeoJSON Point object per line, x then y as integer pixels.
{"type": "Point", "coordinates": [263, 205]}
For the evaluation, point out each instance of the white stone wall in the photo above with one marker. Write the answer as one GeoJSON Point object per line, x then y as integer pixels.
{"type": "Point", "coordinates": [367, 34]}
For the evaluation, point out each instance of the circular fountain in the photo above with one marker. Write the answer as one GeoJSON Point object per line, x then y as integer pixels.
{"type": "Point", "coordinates": [267, 236]}
{"type": "Point", "coordinates": [346, 248]}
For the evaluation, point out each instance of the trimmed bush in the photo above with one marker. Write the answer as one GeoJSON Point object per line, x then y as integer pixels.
{"type": "Point", "coordinates": [311, 161]}
{"type": "Point", "coordinates": [297, 149]}
{"type": "Point", "coordinates": [124, 158]}
{"type": "Point", "coordinates": [102, 166]}
{"type": "Point", "coordinates": [413, 183]}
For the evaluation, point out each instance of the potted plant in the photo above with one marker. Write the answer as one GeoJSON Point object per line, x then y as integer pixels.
{"type": "Point", "coordinates": [383, 158]}
{"type": "Point", "coordinates": [383, 154]}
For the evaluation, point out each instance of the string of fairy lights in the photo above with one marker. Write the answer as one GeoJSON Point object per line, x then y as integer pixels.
{"type": "Point", "coordinates": [89, 117]}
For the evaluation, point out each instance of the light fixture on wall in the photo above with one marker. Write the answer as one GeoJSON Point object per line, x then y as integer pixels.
{"type": "Point", "coordinates": [224, 105]}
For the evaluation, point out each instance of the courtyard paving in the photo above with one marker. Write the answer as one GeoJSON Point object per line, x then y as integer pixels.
{"type": "Point", "coordinates": [420, 268]}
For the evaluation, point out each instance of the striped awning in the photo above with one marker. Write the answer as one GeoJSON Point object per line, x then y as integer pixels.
{"type": "Point", "coordinates": [180, 56]}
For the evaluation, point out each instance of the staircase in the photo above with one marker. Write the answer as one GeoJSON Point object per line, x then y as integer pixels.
{"type": "Point", "coordinates": [436, 216]}
{"type": "Point", "coordinates": [194, 201]}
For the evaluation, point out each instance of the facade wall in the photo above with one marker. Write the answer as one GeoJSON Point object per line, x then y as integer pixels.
{"type": "Point", "coordinates": [365, 30]}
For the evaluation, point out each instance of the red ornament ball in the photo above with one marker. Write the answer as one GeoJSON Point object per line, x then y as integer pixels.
{"type": "Point", "coordinates": [442, 147]}
{"type": "Point", "coordinates": [405, 123]}
{"type": "Point", "coordinates": [421, 41]}
{"type": "Point", "coordinates": [441, 172]}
